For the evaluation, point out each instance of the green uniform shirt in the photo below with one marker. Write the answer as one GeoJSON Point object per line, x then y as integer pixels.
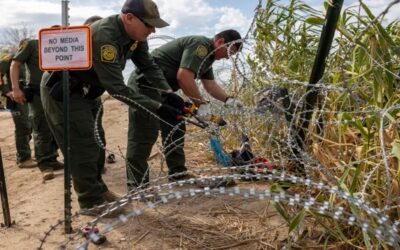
{"type": "Point", "coordinates": [111, 48]}
{"type": "Point", "coordinates": [28, 53]}
{"type": "Point", "coordinates": [186, 52]}
{"type": "Point", "coordinates": [5, 63]}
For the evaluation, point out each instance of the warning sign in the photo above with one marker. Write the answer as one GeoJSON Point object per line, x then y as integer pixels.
{"type": "Point", "coordinates": [65, 48]}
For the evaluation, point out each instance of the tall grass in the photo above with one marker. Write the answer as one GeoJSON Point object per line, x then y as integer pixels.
{"type": "Point", "coordinates": [359, 144]}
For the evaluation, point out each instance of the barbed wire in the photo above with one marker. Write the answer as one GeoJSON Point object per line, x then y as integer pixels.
{"type": "Point", "coordinates": [384, 228]}
{"type": "Point", "coordinates": [333, 153]}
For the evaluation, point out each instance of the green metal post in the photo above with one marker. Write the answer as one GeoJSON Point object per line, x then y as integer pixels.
{"type": "Point", "coordinates": [3, 194]}
{"type": "Point", "coordinates": [325, 43]}
{"type": "Point", "coordinates": [67, 171]}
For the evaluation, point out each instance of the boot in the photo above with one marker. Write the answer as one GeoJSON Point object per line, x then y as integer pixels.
{"type": "Point", "coordinates": [47, 174]}
{"type": "Point", "coordinates": [97, 211]}
{"type": "Point", "coordinates": [28, 164]}
{"type": "Point", "coordinates": [110, 196]}
{"type": "Point", "coordinates": [180, 177]}
{"type": "Point", "coordinates": [57, 165]}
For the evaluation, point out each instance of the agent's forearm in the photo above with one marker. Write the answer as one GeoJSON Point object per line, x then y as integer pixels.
{"type": "Point", "coordinates": [15, 70]}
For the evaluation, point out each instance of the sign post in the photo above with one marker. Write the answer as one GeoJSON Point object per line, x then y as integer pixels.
{"type": "Point", "coordinates": [62, 49]}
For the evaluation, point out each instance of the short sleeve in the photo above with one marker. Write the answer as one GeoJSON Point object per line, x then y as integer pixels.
{"type": "Point", "coordinates": [193, 56]}
{"type": "Point", "coordinates": [24, 52]}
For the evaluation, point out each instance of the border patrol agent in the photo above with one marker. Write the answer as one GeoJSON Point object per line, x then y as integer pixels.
{"type": "Point", "coordinates": [180, 61]}
{"type": "Point", "coordinates": [45, 144]}
{"type": "Point", "coordinates": [20, 115]}
{"type": "Point", "coordinates": [95, 110]}
{"type": "Point", "coordinates": [114, 39]}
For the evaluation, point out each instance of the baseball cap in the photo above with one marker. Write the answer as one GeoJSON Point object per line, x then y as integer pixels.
{"type": "Point", "coordinates": [146, 10]}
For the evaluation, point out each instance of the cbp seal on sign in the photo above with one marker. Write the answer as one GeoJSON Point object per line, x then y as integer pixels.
{"type": "Point", "coordinates": [201, 51]}
{"type": "Point", "coordinates": [108, 53]}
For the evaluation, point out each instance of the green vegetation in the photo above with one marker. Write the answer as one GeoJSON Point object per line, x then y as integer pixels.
{"type": "Point", "coordinates": [359, 146]}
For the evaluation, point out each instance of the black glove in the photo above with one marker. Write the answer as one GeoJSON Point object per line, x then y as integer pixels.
{"type": "Point", "coordinates": [168, 113]}
{"type": "Point", "coordinates": [28, 92]}
{"type": "Point", "coordinates": [173, 100]}
{"type": "Point", "coordinates": [10, 103]}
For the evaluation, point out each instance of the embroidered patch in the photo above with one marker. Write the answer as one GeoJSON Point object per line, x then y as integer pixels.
{"type": "Point", "coordinates": [201, 51]}
{"type": "Point", "coordinates": [134, 46]}
{"type": "Point", "coordinates": [108, 53]}
{"type": "Point", "coordinates": [23, 45]}
{"type": "Point", "coordinates": [6, 57]}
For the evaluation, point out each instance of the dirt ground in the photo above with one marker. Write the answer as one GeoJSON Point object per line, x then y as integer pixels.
{"type": "Point", "coordinates": [200, 222]}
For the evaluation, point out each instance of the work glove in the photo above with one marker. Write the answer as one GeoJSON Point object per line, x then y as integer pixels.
{"type": "Point", "coordinates": [232, 102]}
{"type": "Point", "coordinates": [173, 100]}
{"type": "Point", "coordinates": [204, 112]}
{"type": "Point", "coordinates": [168, 113]}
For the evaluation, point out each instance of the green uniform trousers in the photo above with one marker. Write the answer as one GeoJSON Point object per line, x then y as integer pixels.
{"type": "Point", "coordinates": [142, 134]}
{"type": "Point", "coordinates": [45, 145]}
{"type": "Point", "coordinates": [84, 151]}
{"type": "Point", "coordinates": [23, 130]}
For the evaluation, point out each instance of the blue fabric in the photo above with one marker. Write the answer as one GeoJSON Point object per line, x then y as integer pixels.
{"type": "Point", "coordinates": [222, 158]}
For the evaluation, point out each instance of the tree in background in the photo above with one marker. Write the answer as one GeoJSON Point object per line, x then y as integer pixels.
{"type": "Point", "coordinates": [10, 37]}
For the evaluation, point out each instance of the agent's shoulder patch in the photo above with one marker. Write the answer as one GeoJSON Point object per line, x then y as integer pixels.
{"type": "Point", "coordinates": [108, 53]}
{"type": "Point", "coordinates": [201, 51]}
{"type": "Point", "coordinates": [6, 57]}
{"type": "Point", "coordinates": [23, 45]}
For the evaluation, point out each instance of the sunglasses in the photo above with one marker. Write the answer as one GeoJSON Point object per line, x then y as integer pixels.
{"type": "Point", "coordinates": [145, 23]}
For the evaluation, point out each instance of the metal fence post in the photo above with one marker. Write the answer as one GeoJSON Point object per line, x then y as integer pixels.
{"type": "Point", "coordinates": [325, 44]}
{"type": "Point", "coordinates": [3, 194]}
{"type": "Point", "coordinates": [67, 172]}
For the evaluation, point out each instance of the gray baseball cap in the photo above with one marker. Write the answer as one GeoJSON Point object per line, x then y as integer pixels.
{"type": "Point", "coordinates": [146, 10]}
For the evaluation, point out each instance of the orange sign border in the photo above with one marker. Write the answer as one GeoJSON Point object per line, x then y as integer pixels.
{"type": "Point", "coordinates": [88, 31]}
